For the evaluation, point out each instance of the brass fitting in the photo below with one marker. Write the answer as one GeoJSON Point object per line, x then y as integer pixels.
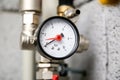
{"type": "Point", "coordinates": [71, 13]}
{"type": "Point", "coordinates": [109, 2]}
{"type": "Point", "coordinates": [83, 44]}
{"type": "Point", "coordinates": [67, 11]}
{"type": "Point", "coordinates": [62, 9]}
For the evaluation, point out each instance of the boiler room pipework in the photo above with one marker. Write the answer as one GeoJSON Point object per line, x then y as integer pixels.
{"type": "Point", "coordinates": [31, 14]}
{"type": "Point", "coordinates": [47, 67]}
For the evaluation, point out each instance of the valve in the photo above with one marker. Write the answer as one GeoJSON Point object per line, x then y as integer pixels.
{"type": "Point", "coordinates": [55, 77]}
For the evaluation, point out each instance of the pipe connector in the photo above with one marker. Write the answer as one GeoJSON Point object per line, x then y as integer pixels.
{"type": "Point", "coordinates": [71, 13]}
{"type": "Point", "coordinates": [83, 44]}
{"type": "Point", "coordinates": [30, 24]}
{"type": "Point", "coordinates": [46, 74]}
{"type": "Point", "coordinates": [27, 42]}
{"type": "Point", "coordinates": [31, 10]}
{"type": "Point", "coordinates": [67, 11]}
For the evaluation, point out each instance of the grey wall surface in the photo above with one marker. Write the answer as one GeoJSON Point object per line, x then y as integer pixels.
{"type": "Point", "coordinates": [9, 5]}
{"type": "Point", "coordinates": [10, 54]}
{"type": "Point", "coordinates": [91, 24]}
{"type": "Point", "coordinates": [100, 24]}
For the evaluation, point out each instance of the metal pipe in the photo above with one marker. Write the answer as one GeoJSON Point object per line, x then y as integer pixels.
{"type": "Point", "coordinates": [83, 44]}
{"type": "Point", "coordinates": [28, 65]}
{"type": "Point", "coordinates": [30, 5]}
{"type": "Point", "coordinates": [49, 8]}
{"type": "Point", "coordinates": [30, 20]}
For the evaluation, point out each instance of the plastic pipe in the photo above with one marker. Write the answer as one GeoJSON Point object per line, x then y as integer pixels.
{"type": "Point", "coordinates": [28, 64]}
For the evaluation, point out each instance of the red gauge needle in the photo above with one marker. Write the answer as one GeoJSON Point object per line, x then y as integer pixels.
{"type": "Point", "coordinates": [57, 38]}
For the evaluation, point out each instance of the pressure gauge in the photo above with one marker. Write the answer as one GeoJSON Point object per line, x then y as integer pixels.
{"type": "Point", "coordinates": [57, 38]}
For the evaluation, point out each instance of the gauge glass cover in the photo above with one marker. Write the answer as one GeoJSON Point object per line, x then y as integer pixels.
{"type": "Point", "coordinates": [58, 38]}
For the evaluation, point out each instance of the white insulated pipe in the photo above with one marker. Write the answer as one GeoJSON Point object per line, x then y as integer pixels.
{"type": "Point", "coordinates": [49, 8]}
{"type": "Point", "coordinates": [28, 65]}
{"type": "Point", "coordinates": [31, 13]}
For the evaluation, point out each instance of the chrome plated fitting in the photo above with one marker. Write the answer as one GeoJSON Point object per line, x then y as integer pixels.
{"type": "Point", "coordinates": [30, 17]}
{"type": "Point", "coordinates": [30, 5]}
{"type": "Point", "coordinates": [83, 44]}
{"type": "Point", "coordinates": [44, 63]}
{"type": "Point", "coordinates": [30, 24]}
{"type": "Point", "coordinates": [47, 68]}
{"type": "Point", "coordinates": [45, 74]}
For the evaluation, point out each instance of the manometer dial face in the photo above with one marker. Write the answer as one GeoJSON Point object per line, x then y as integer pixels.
{"type": "Point", "coordinates": [58, 38]}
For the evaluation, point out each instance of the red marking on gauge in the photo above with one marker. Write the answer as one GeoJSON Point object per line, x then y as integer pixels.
{"type": "Point", "coordinates": [57, 38]}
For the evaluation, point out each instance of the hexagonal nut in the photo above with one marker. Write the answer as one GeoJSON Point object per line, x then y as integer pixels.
{"type": "Point", "coordinates": [30, 18]}
{"type": "Point", "coordinates": [46, 74]}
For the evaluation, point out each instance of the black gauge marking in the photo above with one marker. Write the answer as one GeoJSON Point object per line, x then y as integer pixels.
{"type": "Point", "coordinates": [69, 38]}
{"type": "Point", "coordinates": [43, 33]}
{"type": "Point", "coordinates": [52, 48]}
{"type": "Point", "coordinates": [62, 34]}
{"type": "Point", "coordinates": [63, 28]}
{"type": "Point", "coordinates": [52, 25]}
{"type": "Point", "coordinates": [55, 45]}
{"type": "Point", "coordinates": [58, 49]}
{"type": "Point", "coordinates": [64, 48]}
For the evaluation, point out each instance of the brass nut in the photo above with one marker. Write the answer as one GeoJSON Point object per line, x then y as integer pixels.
{"type": "Point", "coordinates": [61, 9]}
{"type": "Point", "coordinates": [31, 18]}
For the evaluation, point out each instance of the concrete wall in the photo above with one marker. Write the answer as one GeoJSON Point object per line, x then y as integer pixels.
{"type": "Point", "coordinates": [10, 54]}
{"type": "Point", "coordinates": [100, 24]}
